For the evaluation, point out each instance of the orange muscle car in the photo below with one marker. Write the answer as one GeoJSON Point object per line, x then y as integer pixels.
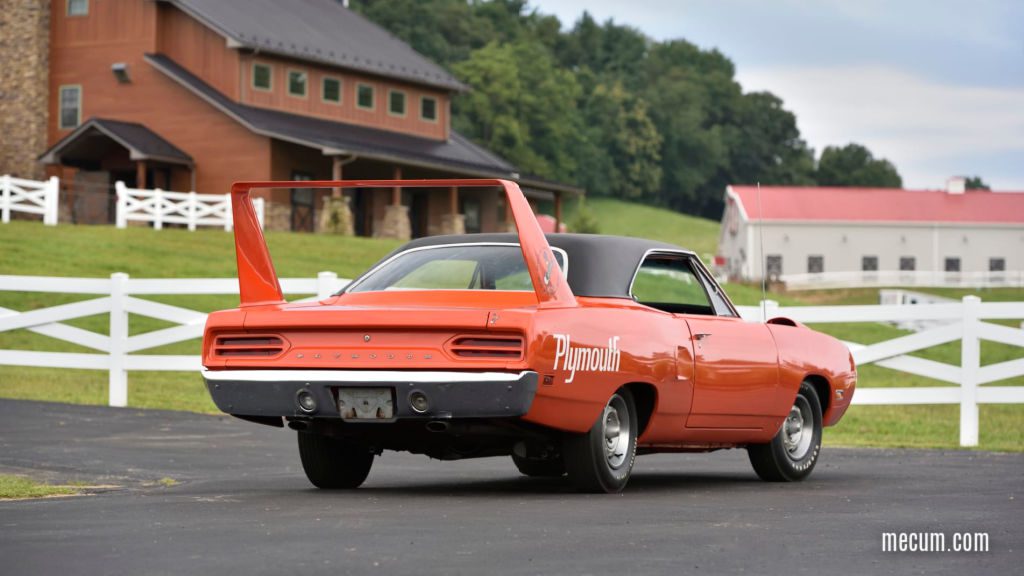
{"type": "Point", "coordinates": [571, 353]}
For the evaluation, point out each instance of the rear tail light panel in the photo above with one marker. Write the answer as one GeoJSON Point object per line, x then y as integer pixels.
{"type": "Point", "coordinates": [265, 346]}
{"type": "Point", "coordinates": [486, 347]}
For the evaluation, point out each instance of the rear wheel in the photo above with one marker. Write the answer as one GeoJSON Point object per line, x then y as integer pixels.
{"type": "Point", "coordinates": [793, 452]}
{"type": "Point", "coordinates": [601, 460]}
{"type": "Point", "coordinates": [334, 463]}
{"type": "Point", "coordinates": [538, 468]}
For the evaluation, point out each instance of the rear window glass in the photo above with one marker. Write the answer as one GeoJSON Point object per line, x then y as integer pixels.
{"type": "Point", "coordinates": [457, 267]}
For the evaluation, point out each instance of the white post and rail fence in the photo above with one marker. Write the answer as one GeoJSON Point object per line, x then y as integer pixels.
{"type": "Point", "coordinates": [29, 197]}
{"type": "Point", "coordinates": [118, 296]}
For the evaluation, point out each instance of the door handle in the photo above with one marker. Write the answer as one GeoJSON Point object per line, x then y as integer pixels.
{"type": "Point", "coordinates": [701, 336]}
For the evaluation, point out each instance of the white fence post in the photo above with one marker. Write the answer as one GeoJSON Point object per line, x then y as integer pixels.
{"type": "Point", "coordinates": [118, 340]}
{"type": "Point", "coordinates": [52, 197]}
{"type": "Point", "coordinates": [190, 211]}
{"type": "Point", "coordinates": [260, 206]}
{"type": "Point", "coordinates": [325, 283]}
{"type": "Point", "coordinates": [158, 209]}
{"type": "Point", "coordinates": [121, 217]}
{"type": "Point", "coordinates": [229, 215]}
{"type": "Point", "coordinates": [970, 362]}
{"type": "Point", "coordinates": [5, 198]}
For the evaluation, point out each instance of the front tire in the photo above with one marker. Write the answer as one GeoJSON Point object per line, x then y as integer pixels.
{"type": "Point", "coordinates": [601, 459]}
{"type": "Point", "coordinates": [334, 463]}
{"type": "Point", "coordinates": [793, 452]}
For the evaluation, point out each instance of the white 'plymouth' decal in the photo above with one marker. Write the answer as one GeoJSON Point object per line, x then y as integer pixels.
{"type": "Point", "coordinates": [586, 358]}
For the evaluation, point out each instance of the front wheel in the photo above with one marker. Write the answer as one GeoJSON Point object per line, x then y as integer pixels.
{"type": "Point", "coordinates": [334, 463]}
{"type": "Point", "coordinates": [793, 452]}
{"type": "Point", "coordinates": [601, 460]}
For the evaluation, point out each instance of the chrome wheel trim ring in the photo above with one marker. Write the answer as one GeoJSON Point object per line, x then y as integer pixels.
{"type": "Point", "coordinates": [798, 429]}
{"type": "Point", "coordinates": [615, 430]}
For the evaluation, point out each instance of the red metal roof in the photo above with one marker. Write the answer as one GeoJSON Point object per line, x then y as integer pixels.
{"type": "Point", "coordinates": [881, 205]}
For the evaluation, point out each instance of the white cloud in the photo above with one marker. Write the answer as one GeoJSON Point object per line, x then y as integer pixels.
{"type": "Point", "coordinates": [928, 129]}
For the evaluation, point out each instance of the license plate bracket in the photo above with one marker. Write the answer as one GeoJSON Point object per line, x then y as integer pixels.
{"type": "Point", "coordinates": [366, 403]}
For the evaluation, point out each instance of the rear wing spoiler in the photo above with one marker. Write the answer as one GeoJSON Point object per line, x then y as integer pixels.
{"type": "Point", "coordinates": [257, 280]}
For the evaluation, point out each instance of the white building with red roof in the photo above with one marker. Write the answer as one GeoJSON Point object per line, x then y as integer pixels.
{"type": "Point", "coordinates": [819, 236]}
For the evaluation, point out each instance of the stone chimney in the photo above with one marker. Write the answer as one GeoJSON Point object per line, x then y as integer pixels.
{"type": "Point", "coordinates": [956, 185]}
{"type": "Point", "coordinates": [24, 85]}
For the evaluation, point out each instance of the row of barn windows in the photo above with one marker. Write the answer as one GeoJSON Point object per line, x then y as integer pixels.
{"type": "Point", "coordinates": [816, 264]}
{"type": "Point", "coordinates": [330, 92]}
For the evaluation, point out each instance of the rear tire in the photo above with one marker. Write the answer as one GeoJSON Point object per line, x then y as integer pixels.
{"type": "Point", "coordinates": [334, 463]}
{"type": "Point", "coordinates": [601, 460]}
{"type": "Point", "coordinates": [536, 468]}
{"type": "Point", "coordinates": [793, 452]}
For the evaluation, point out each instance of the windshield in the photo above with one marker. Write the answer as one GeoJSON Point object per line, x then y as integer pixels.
{"type": "Point", "coordinates": [454, 267]}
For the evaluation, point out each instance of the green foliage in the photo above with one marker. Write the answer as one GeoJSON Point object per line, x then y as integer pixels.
{"type": "Point", "coordinates": [584, 221]}
{"type": "Point", "coordinates": [976, 183]}
{"type": "Point", "coordinates": [853, 165]}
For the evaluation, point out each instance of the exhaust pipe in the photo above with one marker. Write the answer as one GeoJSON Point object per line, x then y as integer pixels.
{"type": "Point", "coordinates": [437, 426]}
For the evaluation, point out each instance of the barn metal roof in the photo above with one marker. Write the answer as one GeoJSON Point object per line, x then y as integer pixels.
{"type": "Point", "coordinates": [457, 153]}
{"type": "Point", "coordinates": [817, 204]}
{"type": "Point", "coordinates": [141, 143]}
{"type": "Point", "coordinates": [322, 31]}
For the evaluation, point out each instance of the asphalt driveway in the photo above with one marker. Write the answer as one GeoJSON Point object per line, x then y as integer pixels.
{"type": "Point", "coordinates": [241, 505]}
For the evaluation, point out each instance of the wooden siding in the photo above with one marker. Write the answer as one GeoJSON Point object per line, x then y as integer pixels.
{"type": "Point", "coordinates": [198, 49]}
{"type": "Point", "coordinates": [312, 104]}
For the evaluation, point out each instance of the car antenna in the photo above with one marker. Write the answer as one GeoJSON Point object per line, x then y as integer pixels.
{"type": "Point", "coordinates": [764, 262]}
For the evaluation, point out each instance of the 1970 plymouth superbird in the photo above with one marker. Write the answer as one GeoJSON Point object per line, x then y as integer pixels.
{"type": "Point", "coordinates": [571, 353]}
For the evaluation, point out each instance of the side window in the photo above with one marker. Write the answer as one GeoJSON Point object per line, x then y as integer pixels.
{"type": "Point", "coordinates": [718, 300]}
{"type": "Point", "coordinates": [669, 283]}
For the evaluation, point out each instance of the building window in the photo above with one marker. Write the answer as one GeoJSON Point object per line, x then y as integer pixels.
{"type": "Point", "coordinates": [78, 7]}
{"type": "Point", "coordinates": [908, 263]}
{"type": "Point", "coordinates": [262, 77]}
{"type": "Point", "coordinates": [470, 208]}
{"type": "Point", "coordinates": [997, 264]}
{"type": "Point", "coordinates": [70, 106]}
{"type": "Point", "coordinates": [774, 266]}
{"type": "Point", "coordinates": [869, 263]}
{"type": "Point", "coordinates": [331, 90]}
{"type": "Point", "coordinates": [303, 204]}
{"type": "Point", "coordinates": [815, 264]}
{"type": "Point", "coordinates": [428, 109]}
{"type": "Point", "coordinates": [396, 102]}
{"type": "Point", "coordinates": [952, 264]}
{"type": "Point", "coordinates": [364, 96]}
{"type": "Point", "coordinates": [297, 82]}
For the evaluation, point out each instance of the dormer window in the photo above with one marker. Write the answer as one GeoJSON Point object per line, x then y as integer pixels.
{"type": "Point", "coordinates": [262, 77]}
{"type": "Point", "coordinates": [428, 109]}
{"type": "Point", "coordinates": [78, 7]}
{"type": "Point", "coordinates": [396, 102]}
{"type": "Point", "coordinates": [298, 81]}
{"type": "Point", "coordinates": [364, 96]}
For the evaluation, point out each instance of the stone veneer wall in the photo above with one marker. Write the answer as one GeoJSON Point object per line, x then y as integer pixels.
{"type": "Point", "coordinates": [24, 85]}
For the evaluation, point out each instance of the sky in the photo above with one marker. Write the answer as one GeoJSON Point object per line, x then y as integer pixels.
{"type": "Point", "coordinates": [935, 87]}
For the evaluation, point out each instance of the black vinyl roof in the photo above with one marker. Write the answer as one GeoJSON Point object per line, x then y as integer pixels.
{"type": "Point", "coordinates": [599, 265]}
{"type": "Point", "coordinates": [141, 143]}
{"type": "Point", "coordinates": [321, 31]}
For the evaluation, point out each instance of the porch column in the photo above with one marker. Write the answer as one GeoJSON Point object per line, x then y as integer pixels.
{"type": "Point", "coordinates": [140, 174]}
{"type": "Point", "coordinates": [396, 216]}
{"type": "Point", "coordinates": [558, 211]}
{"type": "Point", "coordinates": [336, 216]}
{"type": "Point", "coordinates": [336, 174]}
{"type": "Point", "coordinates": [453, 222]}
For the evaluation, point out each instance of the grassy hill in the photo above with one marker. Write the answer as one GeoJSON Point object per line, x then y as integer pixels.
{"type": "Point", "coordinates": [27, 248]}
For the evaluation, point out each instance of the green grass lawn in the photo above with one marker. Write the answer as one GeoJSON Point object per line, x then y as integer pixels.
{"type": "Point", "coordinates": [97, 251]}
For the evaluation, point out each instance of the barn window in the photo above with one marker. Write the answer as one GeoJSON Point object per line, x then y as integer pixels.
{"type": "Point", "coordinates": [428, 108]}
{"type": "Point", "coordinates": [815, 264]}
{"type": "Point", "coordinates": [262, 77]}
{"type": "Point", "coordinates": [396, 102]}
{"type": "Point", "coordinates": [78, 7]}
{"type": "Point", "coordinates": [869, 263]}
{"type": "Point", "coordinates": [908, 263]}
{"type": "Point", "coordinates": [952, 264]}
{"type": "Point", "coordinates": [997, 264]}
{"type": "Point", "coordinates": [297, 82]}
{"type": "Point", "coordinates": [364, 96]}
{"type": "Point", "coordinates": [774, 266]}
{"type": "Point", "coordinates": [70, 106]}
{"type": "Point", "coordinates": [330, 89]}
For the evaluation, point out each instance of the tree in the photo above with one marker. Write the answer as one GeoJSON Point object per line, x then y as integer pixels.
{"type": "Point", "coordinates": [853, 165]}
{"type": "Point", "coordinates": [768, 148]}
{"type": "Point", "coordinates": [976, 183]}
